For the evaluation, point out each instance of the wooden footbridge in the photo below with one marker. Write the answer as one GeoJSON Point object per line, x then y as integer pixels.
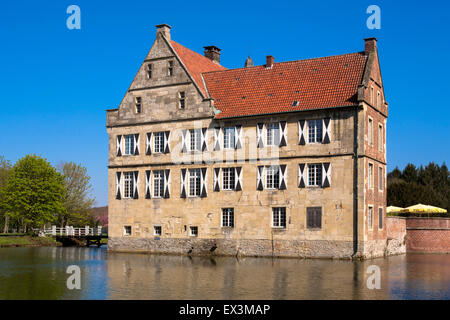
{"type": "Point", "coordinates": [70, 234]}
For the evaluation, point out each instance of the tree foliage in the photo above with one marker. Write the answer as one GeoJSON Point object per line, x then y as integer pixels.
{"type": "Point", "coordinates": [34, 192]}
{"type": "Point", "coordinates": [77, 199]}
{"type": "Point", "coordinates": [427, 185]}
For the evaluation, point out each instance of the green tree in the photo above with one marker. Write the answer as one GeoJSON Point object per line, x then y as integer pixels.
{"type": "Point", "coordinates": [5, 170]}
{"type": "Point", "coordinates": [34, 192]}
{"type": "Point", "coordinates": [77, 200]}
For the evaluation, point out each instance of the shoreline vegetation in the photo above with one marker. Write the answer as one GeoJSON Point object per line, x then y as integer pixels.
{"type": "Point", "coordinates": [17, 240]}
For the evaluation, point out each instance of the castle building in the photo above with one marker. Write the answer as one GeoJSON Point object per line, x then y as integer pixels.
{"type": "Point", "coordinates": [281, 159]}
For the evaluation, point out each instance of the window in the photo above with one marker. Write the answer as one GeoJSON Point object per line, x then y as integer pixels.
{"type": "Point", "coordinates": [228, 217]}
{"type": "Point", "coordinates": [158, 183]}
{"type": "Point", "coordinates": [170, 69]}
{"type": "Point", "coordinates": [370, 131]}
{"type": "Point", "coordinates": [369, 217]}
{"type": "Point", "coordinates": [129, 144]}
{"type": "Point", "coordinates": [279, 217]}
{"type": "Point", "coordinates": [229, 178]}
{"type": "Point", "coordinates": [194, 182]}
{"type": "Point", "coordinates": [182, 97]}
{"type": "Point", "coordinates": [273, 177]}
{"type": "Point", "coordinates": [314, 175]}
{"type": "Point", "coordinates": [273, 134]}
{"type": "Point", "coordinates": [315, 131]}
{"type": "Point", "coordinates": [380, 218]}
{"type": "Point", "coordinates": [370, 175]}
{"type": "Point", "coordinates": [194, 231]}
{"type": "Point", "coordinates": [195, 136]}
{"type": "Point", "coordinates": [138, 104]}
{"type": "Point", "coordinates": [149, 71]}
{"type": "Point", "coordinates": [128, 185]}
{"type": "Point", "coordinates": [157, 230]}
{"type": "Point", "coordinates": [380, 137]}
{"type": "Point", "coordinates": [380, 178]}
{"type": "Point", "coordinates": [378, 99]}
{"type": "Point", "coordinates": [314, 217]}
{"type": "Point", "coordinates": [228, 138]}
{"type": "Point", "coordinates": [158, 142]}
{"type": "Point", "coordinates": [127, 230]}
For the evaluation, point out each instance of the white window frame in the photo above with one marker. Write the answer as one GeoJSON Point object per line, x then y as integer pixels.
{"type": "Point", "coordinates": [370, 217]}
{"type": "Point", "coordinates": [197, 178]}
{"type": "Point", "coordinates": [227, 220]}
{"type": "Point", "coordinates": [191, 233]}
{"type": "Point", "coordinates": [138, 104]}
{"type": "Point", "coordinates": [154, 230]}
{"type": "Point", "coordinates": [125, 233]}
{"type": "Point", "coordinates": [158, 182]}
{"type": "Point", "coordinates": [370, 174]}
{"type": "Point", "coordinates": [273, 138]}
{"type": "Point", "coordinates": [270, 173]}
{"type": "Point", "coordinates": [228, 179]}
{"type": "Point", "coordinates": [317, 183]}
{"type": "Point", "coordinates": [159, 142]}
{"type": "Point", "coordinates": [229, 137]}
{"type": "Point", "coordinates": [195, 139]}
{"type": "Point", "coordinates": [313, 126]}
{"type": "Point", "coordinates": [128, 145]}
{"type": "Point", "coordinates": [128, 184]}
{"type": "Point", "coordinates": [277, 222]}
{"type": "Point", "coordinates": [370, 131]}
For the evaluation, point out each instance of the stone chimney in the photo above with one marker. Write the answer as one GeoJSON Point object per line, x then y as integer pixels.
{"type": "Point", "coordinates": [370, 45]}
{"type": "Point", "coordinates": [248, 62]}
{"type": "Point", "coordinates": [164, 29]}
{"type": "Point", "coordinates": [269, 61]}
{"type": "Point", "coordinates": [213, 53]}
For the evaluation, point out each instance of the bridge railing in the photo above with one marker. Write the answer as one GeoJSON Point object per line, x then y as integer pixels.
{"type": "Point", "coordinates": [71, 231]}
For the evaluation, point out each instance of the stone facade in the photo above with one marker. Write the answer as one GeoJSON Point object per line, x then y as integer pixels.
{"type": "Point", "coordinates": [253, 233]}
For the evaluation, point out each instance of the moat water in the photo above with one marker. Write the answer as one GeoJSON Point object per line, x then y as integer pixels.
{"type": "Point", "coordinates": [40, 273]}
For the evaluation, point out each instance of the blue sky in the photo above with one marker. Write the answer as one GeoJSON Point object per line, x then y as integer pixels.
{"type": "Point", "coordinates": [56, 83]}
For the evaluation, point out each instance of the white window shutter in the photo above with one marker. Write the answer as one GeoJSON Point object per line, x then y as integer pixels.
{"type": "Point", "coordinates": [216, 138]}
{"type": "Point", "coordinates": [302, 175]}
{"type": "Point", "coordinates": [119, 145]}
{"type": "Point", "coordinates": [166, 184]}
{"type": "Point", "coordinates": [326, 131]}
{"type": "Point", "coordinates": [260, 178]}
{"type": "Point", "coordinates": [203, 176]}
{"type": "Point", "coordinates": [282, 177]}
{"type": "Point", "coordinates": [302, 132]}
{"type": "Point", "coordinates": [260, 135]}
{"type": "Point", "coordinates": [148, 184]}
{"type": "Point", "coordinates": [118, 185]}
{"type": "Point", "coordinates": [166, 141]}
{"type": "Point", "coordinates": [183, 179]}
{"type": "Point", "coordinates": [283, 133]}
{"type": "Point", "coordinates": [326, 175]}
{"type": "Point", "coordinates": [216, 179]}
{"type": "Point", "coordinates": [148, 144]}
{"type": "Point", "coordinates": [204, 139]}
{"type": "Point", "coordinates": [238, 178]}
{"type": "Point", "coordinates": [238, 137]}
{"type": "Point", "coordinates": [136, 144]}
{"type": "Point", "coordinates": [136, 184]}
{"type": "Point", "coordinates": [183, 141]}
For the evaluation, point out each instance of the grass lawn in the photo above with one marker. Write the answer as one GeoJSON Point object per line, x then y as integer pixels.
{"type": "Point", "coordinates": [24, 241]}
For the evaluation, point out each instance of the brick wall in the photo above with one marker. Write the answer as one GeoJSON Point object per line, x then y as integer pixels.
{"type": "Point", "coordinates": [428, 235]}
{"type": "Point", "coordinates": [396, 235]}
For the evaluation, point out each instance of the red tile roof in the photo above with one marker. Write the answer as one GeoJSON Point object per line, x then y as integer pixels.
{"type": "Point", "coordinates": [314, 83]}
{"type": "Point", "coordinates": [195, 64]}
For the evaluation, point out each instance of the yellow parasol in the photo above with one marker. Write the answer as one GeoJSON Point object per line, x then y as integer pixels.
{"type": "Point", "coordinates": [393, 209]}
{"type": "Point", "coordinates": [422, 208]}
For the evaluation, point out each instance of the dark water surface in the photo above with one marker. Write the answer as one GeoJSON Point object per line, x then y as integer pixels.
{"type": "Point", "coordinates": [40, 273]}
